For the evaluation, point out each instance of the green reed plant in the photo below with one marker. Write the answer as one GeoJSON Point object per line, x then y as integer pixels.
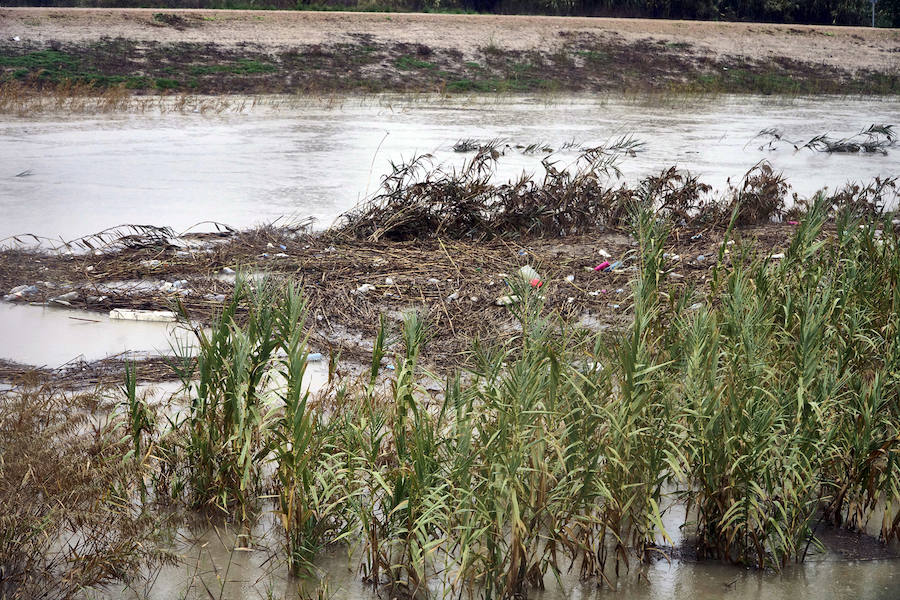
{"type": "Point", "coordinates": [310, 476]}
{"type": "Point", "coordinates": [223, 445]}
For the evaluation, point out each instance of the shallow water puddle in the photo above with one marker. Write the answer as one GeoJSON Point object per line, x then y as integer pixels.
{"type": "Point", "coordinates": [81, 174]}
{"type": "Point", "coordinates": [50, 337]}
{"type": "Point", "coordinates": [209, 561]}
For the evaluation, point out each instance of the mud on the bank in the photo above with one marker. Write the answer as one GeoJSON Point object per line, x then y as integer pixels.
{"type": "Point", "coordinates": [582, 62]}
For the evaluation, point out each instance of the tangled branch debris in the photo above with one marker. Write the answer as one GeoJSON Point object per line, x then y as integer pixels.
{"type": "Point", "coordinates": [876, 138]}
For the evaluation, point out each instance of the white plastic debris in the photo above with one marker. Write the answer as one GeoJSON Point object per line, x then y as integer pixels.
{"type": "Point", "coordinates": [506, 300]}
{"type": "Point", "coordinates": [227, 271]}
{"type": "Point", "coordinates": [570, 278]}
{"type": "Point", "coordinates": [433, 281]}
{"type": "Point", "coordinates": [453, 296]}
{"type": "Point", "coordinates": [281, 255]}
{"type": "Point", "coordinates": [314, 357]}
{"type": "Point", "coordinates": [473, 298]}
{"type": "Point", "coordinates": [365, 288]}
{"type": "Point", "coordinates": [127, 314]}
{"type": "Point", "coordinates": [17, 39]}
{"type": "Point", "coordinates": [676, 276]}
{"type": "Point", "coordinates": [701, 257]}
{"type": "Point", "coordinates": [151, 264]}
{"type": "Point", "coordinates": [20, 292]}
{"type": "Point", "coordinates": [528, 273]}
{"type": "Point", "coordinates": [695, 306]}
{"type": "Point", "coordinates": [388, 281]}
{"type": "Point", "coordinates": [604, 253]}
{"type": "Point", "coordinates": [778, 256]}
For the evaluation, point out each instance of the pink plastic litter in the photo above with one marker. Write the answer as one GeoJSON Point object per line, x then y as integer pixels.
{"type": "Point", "coordinates": [602, 265]}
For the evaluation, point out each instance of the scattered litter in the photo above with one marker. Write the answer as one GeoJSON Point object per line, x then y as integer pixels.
{"type": "Point", "coordinates": [778, 256]}
{"type": "Point", "coordinates": [602, 266]}
{"type": "Point", "coordinates": [64, 298]}
{"type": "Point", "coordinates": [89, 268]}
{"type": "Point", "coordinates": [281, 255]}
{"type": "Point", "coordinates": [570, 299]}
{"type": "Point", "coordinates": [793, 222]}
{"type": "Point", "coordinates": [695, 306]}
{"type": "Point", "coordinates": [127, 314]}
{"type": "Point", "coordinates": [270, 245]}
{"type": "Point", "coordinates": [729, 243]}
{"type": "Point", "coordinates": [17, 39]}
{"type": "Point", "coordinates": [615, 306]}
{"type": "Point", "coordinates": [151, 264]}
{"type": "Point", "coordinates": [528, 273]}
{"type": "Point", "coordinates": [506, 300]}
{"type": "Point", "coordinates": [453, 296]}
{"type": "Point", "coordinates": [701, 257]}
{"type": "Point", "coordinates": [433, 281]}
{"type": "Point", "coordinates": [20, 292]}
{"type": "Point", "coordinates": [604, 253]}
{"type": "Point", "coordinates": [283, 247]}
{"type": "Point", "coordinates": [388, 281]}
{"type": "Point", "coordinates": [365, 288]}
{"type": "Point", "coordinates": [314, 357]}
{"type": "Point", "coordinates": [620, 290]}
{"type": "Point", "coordinates": [227, 271]}
{"type": "Point", "coordinates": [523, 252]}
{"type": "Point", "coordinates": [570, 278]}
{"type": "Point", "coordinates": [694, 238]}
{"type": "Point", "coordinates": [473, 298]}
{"type": "Point", "coordinates": [673, 257]}
{"type": "Point", "coordinates": [676, 276]}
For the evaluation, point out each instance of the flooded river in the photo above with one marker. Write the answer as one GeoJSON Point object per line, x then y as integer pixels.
{"type": "Point", "coordinates": [68, 176]}
{"type": "Point", "coordinates": [62, 177]}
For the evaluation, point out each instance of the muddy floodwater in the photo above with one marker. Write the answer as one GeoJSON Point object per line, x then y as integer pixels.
{"type": "Point", "coordinates": [64, 176]}
{"type": "Point", "coordinates": [209, 561]}
{"type": "Point", "coordinates": [51, 337]}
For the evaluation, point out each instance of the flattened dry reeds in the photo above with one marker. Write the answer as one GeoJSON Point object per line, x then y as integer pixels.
{"type": "Point", "coordinates": [875, 138]}
{"type": "Point", "coordinates": [69, 519]}
{"type": "Point", "coordinates": [420, 200]}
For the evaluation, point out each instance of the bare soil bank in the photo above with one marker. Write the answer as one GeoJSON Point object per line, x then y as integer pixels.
{"type": "Point", "coordinates": [261, 51]}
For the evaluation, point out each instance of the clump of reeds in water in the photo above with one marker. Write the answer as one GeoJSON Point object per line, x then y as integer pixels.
{"type": "Point", "coordinates": [766, 410]}
{"type": "Point", "coordinates": [421, 200]}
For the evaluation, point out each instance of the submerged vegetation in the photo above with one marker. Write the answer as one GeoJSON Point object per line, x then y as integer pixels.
{"type": "Point", "coordinates": [763, 411]}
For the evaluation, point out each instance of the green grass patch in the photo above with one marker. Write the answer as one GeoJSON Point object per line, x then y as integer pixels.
{"type": "Point", "coordinates": [243, 66]}
{"type": "Point", "coordinates": [167, 84]}
{"type": "Point", "coordinates": [409, 63]}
